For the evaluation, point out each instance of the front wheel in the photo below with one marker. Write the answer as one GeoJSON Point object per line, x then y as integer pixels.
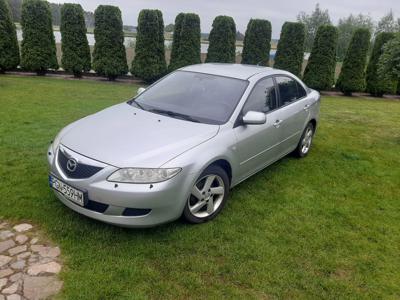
{"type": "Point", "coordinates": [305, 142]}
{"type": "Point", "coordinates": [208, 196]}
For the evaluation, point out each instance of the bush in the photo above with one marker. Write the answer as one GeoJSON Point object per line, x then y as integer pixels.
{"type": "Point", "coordinates": [290, 52]}
{"type": "Point", "coordinates": [389, 62]}
{"type": "Point", "coordinates": [222, 41]}
{"type": "Point", "coordinates": [161, 44]}
{"type": "Point", "coordinates": [379, 85]}
{"type": "Point", "coordinates": [257, 43]}
{"type": "Point", "coordinates": [320, 71]}
{"type": "Point", "coordinates": [38, 48]}
{"type": "Point", "coordinates": [352, 76]}
{"type": "Point", "coordinates": [149, 63]}
{"type": "Point", "coordinates": [176, 42]}
{"type": "Point", "coordinates": [75, 47]}
{"type": "Point", "coordinates": [9, 50]}
{"type": "Point", "coordinates": [189, 49]}
{"type": "Point", "coordinates": [109, 56]}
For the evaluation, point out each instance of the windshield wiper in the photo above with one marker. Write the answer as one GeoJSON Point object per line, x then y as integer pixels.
{"type": "Point", "coordinates": [174, 115]}
{"type": "Point", "coordinates": [136, 103]}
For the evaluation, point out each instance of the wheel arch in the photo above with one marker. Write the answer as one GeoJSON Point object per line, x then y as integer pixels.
{"type": "Point", "coordinates": [225, 165]}
{"type": "Point", "coordinates": [313, 121]}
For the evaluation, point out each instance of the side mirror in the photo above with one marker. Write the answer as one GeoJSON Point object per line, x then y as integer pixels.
{"type": "Point", "coordinates": [140, 90]}
{"type": "Point", "coordinates": [254, 118]}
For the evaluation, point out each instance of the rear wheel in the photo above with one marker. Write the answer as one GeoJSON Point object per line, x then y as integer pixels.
{"type": "Point", "coordinates": [304, 145]}
{"type": "Point", "coordinates": [208, 196]}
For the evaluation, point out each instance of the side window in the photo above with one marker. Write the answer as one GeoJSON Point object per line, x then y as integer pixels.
{"type": "Point", "coordinates": [287, 90]}
{"type": "Point", "coordinates": [262, 98]}
{"type": "Point", "coordinates": [301, 91]}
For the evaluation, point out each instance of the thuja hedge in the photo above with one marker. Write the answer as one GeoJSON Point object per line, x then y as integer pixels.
{"type": "Point", "coordinates": [176, 42]}
{"type": "Point", "coordinates": [75, 47]}
{"type": "Point", "coordinates": [109, 56]}
{"type": "Point", "coordinates": [9, 50]}
{"type": "Point", "coordinates": [149, 62]}
{"type": "Point", "coordinates": [320, 71]}
{"type": "Point", "coordinates": [257, 43]}
{"type": "Point", "coordinates": [352, 75]}
{"type": "Point", "coordinates": [222, 41]}
{"type": "Point", "coordinates": [38, 48]}
{"type": "Point", "coordinates": [162, 65]}
{"type": "Point", "coordinates": [186, 43]}
{"type": "Point", "coordinates": [378, 85]}
{"type": "Point", "coordinates": [290, 51]}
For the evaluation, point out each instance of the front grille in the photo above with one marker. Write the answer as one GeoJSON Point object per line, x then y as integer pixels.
{"type": "Point", "coordinates": [82, 170]}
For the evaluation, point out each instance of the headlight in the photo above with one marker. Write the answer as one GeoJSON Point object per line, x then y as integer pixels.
{"type": "Point", "coordinates": [134, 175]}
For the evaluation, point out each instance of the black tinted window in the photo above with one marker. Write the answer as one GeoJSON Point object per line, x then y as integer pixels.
{"type": "Point", "coordinates": [262, 97]}
{"type": "Point", "coordinates": [289, 90]}
{"type": "Point", "coordinates": [202, 97]}
{"type": "Point", "coordinates": [301, 91]}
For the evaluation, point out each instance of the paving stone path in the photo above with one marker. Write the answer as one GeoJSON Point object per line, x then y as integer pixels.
{"type": "Point", "coordinates": [28, 266]}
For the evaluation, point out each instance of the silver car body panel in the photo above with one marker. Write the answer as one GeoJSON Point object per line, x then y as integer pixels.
{"type": "Point", "coordinates": [125, 136]}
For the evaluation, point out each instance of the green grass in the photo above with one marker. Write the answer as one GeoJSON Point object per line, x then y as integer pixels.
{"type": "Point", "coordinates": [327, 226]}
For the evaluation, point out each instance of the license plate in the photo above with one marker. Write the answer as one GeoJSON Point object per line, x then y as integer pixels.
{"type": "Point", "coordinates": [67, 191]}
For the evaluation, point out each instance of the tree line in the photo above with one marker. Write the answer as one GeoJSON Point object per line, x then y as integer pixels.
{"type": "Point", "coordinates": [55, 8]}
{"type": "Point", "coordinates": [346, 27]}
{"type": "Point", "coordinates": [38, 51]}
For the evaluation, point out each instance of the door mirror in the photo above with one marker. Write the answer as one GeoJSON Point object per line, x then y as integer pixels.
{"type": "Point", "coordinates": [140, 90]}
{"type": "Point", "coordinates": [254, 118]}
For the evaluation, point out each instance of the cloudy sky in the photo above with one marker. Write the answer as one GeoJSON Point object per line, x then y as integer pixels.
{"type": "Point", "coordinates": [275, 11]}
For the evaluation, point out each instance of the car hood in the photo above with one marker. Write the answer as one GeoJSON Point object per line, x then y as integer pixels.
{"type": "Point", "coordinates": [125, 136]}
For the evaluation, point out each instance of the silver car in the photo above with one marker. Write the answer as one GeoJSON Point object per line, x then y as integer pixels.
{"type": "Point", "coordinates": [179, 146]}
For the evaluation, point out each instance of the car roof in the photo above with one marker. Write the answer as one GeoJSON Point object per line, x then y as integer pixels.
{"type": "Point", "coordinates": [238, 71]}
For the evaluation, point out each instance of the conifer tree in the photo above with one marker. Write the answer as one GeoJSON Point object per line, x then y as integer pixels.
{"type": "Point", "coordinates": [38, 48]}
{"type": "Point", "coordinates": [109, 56]}
{"type": "Point", "coordinates": [378, 85]}
{"type": "Point", "coordinates": [257, 43]}
{"type": "Point", "coordinates": [352, 75]}
{"type": "Point", "coordinates": [290, 51]}
{"type": "Point", "coordinates": [9, 49]}
{"type": "Point", "coordinates": [188, 52]}
{"type": "Point", "coordinates": [74, 45]}
{"type": "Point", "coordinates": [149, 62]}
{"type": "Point", "coordinates": [222, 41]}
{"type": "Point", "coordinates": [320, 71]}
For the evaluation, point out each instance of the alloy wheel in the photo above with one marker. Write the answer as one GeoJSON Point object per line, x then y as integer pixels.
{"type": "Point", "coordinates": [207, 196]}
{"type": "Point", "coordinates": [307, 140]}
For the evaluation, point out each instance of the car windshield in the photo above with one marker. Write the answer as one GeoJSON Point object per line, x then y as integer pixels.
{"type": "Point", "coordinates": [193, 96]}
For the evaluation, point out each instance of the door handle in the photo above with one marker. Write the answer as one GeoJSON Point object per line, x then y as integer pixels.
{"type": "Point", "coordinates": [278, 123]}
{"type": "Point", "coordinates": [306, 107]}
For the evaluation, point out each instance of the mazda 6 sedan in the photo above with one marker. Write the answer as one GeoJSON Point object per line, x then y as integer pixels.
{"type": "Point", "coordinates": [179, 146]}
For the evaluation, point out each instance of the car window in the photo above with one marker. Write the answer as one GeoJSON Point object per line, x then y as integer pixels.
{"type": "Point", "coordinates": [262, 98]}
{"type": "Point", "coordinates": [301, 91]}
{"type": "Point", "coordinates": [289, 90]}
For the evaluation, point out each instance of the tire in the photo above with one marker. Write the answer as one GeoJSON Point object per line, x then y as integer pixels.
{"type": "Point", "coordinates": [203, 205]}
{"type": "Point", "coordinates": [304, 146]}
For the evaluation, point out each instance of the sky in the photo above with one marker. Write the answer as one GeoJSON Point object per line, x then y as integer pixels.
{"type": "Point", "coordinates": [277, 12]}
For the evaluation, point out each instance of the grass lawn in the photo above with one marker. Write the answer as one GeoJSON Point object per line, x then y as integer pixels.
{"type": "Point", "coordinates": [327, 226]}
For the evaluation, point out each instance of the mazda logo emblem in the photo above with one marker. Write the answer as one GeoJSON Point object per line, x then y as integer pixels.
{"type": "Point", "coordinates": [72, 164]}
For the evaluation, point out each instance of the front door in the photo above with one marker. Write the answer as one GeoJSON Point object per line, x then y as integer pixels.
{"type": "Point", "coordinates": [258, 145]}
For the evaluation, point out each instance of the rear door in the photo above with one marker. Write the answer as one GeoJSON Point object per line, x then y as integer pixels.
{"type": "Point", "coordinates": [294, 108]}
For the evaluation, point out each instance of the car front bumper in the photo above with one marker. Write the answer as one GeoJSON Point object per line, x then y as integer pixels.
{"type": "Point", "coordinates": [123, 204]}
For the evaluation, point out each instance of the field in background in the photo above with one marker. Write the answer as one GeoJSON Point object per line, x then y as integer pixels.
{"type": "Point", "coordinates": [325, 227]}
